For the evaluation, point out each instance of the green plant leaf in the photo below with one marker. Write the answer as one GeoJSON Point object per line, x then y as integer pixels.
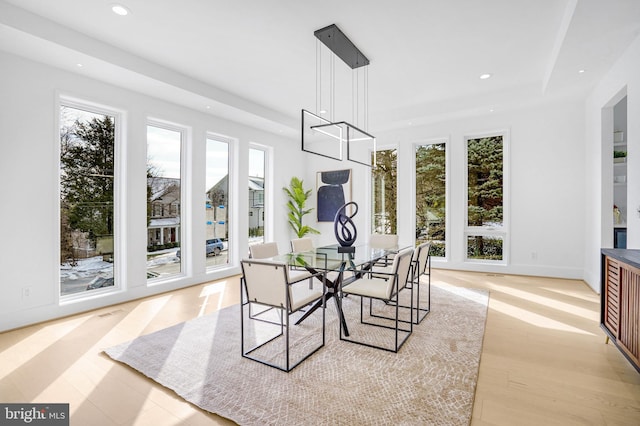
{"type": "Point", "coordinates": [296, 205]}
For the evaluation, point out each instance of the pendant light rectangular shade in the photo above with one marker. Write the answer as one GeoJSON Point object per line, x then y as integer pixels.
{"type": "Point", "coordinates": [360, 146]}
{"type": "Point", "coordinates": [320, 136]}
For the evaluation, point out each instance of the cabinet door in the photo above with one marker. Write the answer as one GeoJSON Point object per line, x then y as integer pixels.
{"type": "Point", "coordinates": [612, 296]}
{"type": "Point", "coordinates": [629, 316]}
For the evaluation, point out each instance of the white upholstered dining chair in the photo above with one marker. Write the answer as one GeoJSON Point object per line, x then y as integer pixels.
{"type": "Point", "coordinates": [384, 288]}
{"type": "Point", "coordinates": [421, 267]}
{"type": "Point", "coordinates": [299, 245]}
{"type": "Point", "coordinates": [267, 250]}
{"type": "Point", "coordinates": [263, 250]}
{"type": "Point", "coordinates": [384, 241]}
{"type": "Point", "coordinates": [270, 332]}
{"type": "Point", "coordinates": [422, 289]}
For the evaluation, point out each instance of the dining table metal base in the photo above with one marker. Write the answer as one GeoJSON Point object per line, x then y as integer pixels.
{"type": "Point", "coordinates": [318, 304]}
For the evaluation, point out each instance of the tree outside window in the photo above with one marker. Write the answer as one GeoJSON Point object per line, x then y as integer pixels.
{"type": "Point", "coordinates": [385, 192]}
{"type": "Point", "coordinates": [87, 160]}
{"type": "Point", "coordinates": [431, 194]}
{"type": "Point", "coordinates": [485, 211]}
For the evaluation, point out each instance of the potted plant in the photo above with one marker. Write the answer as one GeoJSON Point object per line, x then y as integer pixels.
{"type": "Point", "coordinates": [297, 201]}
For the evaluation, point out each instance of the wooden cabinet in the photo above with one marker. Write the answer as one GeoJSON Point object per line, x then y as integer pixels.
{"type": "Point", "coordinates": [620, 297]}
{"type": "Point", "coordinates": [611, 295]}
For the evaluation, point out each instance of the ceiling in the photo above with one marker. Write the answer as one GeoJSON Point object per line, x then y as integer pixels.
{"type": "Point", "coordinates": [254, 61]}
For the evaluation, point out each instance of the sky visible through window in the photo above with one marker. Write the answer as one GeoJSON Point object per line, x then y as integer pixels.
{"type": "Point", "coordinates": [217, 161]}
{"type": "Point", "coordinates": [256, 163]}
{"type": "Point", "coordinates": [69, 115]}
{"type": "Point", "coordinates": [162, 152]}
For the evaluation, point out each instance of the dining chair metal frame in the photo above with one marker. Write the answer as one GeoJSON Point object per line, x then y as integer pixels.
{"type": "Point", "coordinates": [267, 250]}
{"type": "Point", "coordinates": [421, 265]}
{"type": "Point", "coordinates": [285, 311]}
{"type": "Point", "coordinates": [401, 272]}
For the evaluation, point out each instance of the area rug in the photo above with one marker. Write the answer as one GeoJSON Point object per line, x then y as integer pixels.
{"type": "Point", "coordinates": [430, 381]}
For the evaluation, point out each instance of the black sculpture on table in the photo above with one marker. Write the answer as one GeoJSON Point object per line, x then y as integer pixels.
{"type": "Point", "coordinates": [344, 228]}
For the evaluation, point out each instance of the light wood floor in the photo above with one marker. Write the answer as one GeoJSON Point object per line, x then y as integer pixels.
{"type": "Point", "coordinates": [544, 359]}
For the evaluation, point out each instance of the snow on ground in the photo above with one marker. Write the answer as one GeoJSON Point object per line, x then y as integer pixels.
{"type": "Point", "coordinates": [93, 266]}
{"type": "Point", "coordinates": [86, 268]}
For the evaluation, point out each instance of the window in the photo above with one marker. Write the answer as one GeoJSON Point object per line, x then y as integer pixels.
{"type": "Point", "coordinates": [485, 231]}
{"type": "Point", "coordinates": [257, 161]}
{"type": "Point", "coordinates": [384, 192]}
{"type": "Point", "coordinates": [87, 199]}
{"type": "Point", "coordinates": [164, 197]}
{"type": "Point", "coordinates": [431, 197]}
{"type": "Point", "coordinates": [217, 202]}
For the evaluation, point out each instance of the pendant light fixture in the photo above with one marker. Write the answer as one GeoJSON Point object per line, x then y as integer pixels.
{"type": "Point", "coordinates": [322, 134]}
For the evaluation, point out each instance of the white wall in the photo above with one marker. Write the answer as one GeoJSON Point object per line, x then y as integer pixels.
{"type": "Point", "coordinates": [29, 174]}
{"type": "Point", "coordinates": [623, 78]}
{"type": "Point", "coordinates": [546, 185]}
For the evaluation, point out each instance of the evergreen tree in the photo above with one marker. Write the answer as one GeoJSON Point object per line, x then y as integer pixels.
{"type": "Point", "coordinates": [431, 196]}
{"type": "Point", "coordinates": [485, 196]}
{"type": "Point", "coordinates": [87, 167]}
{"type": "Point", "coordinates": [385, 187]}
{"type": "Point", "coordinates": [485, 181]}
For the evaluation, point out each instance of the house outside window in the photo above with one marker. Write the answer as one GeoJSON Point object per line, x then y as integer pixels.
{"type": "Point", "coordinates": [164, 198]}
{"type": "Point", "coordinates": [257, 166]}
{"type": "Point", "coordinates": [217, 202]}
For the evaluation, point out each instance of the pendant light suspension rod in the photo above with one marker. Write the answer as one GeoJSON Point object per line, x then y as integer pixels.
{"type": "Point", "coordinates": [318, 79]}
{"type": "Point", "coordinates": [353, 95]}
{"type": "Point", "coordinates": [366, 99]}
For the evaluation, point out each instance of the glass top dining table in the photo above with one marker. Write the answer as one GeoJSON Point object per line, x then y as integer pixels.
{"type": "Point", "coordinates": [335, 258]}
{"type": "Point", "coordinates": [356, 259]}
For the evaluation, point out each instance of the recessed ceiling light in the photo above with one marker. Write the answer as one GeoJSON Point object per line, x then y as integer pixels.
{"type": "Point", "coordinates": [323, 111]}
{"type": "Point", "coordinates": [79, 65]}
{"type": "Point", "coordinates": [485, 76]}
{"type": "Point", "coordinates": [581, 71]}
{"type": "Point", "coordinates": [119, 9]}
{"type": "Point", "coordinates": [208, 107]}
{"type": "Point", "coordinates": [491, 110]}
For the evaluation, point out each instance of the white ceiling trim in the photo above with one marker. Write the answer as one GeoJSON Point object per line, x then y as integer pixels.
{"type": "Point", "coordinates": [557, 46]}
{"type": "Point", "coordinates": [129, 70]}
